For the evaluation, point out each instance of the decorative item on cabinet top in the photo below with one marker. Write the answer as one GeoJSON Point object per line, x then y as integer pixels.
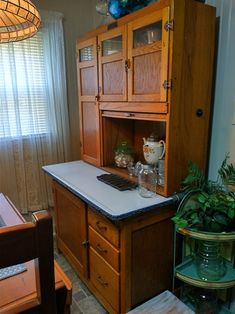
{"type": "Point", "coordinates": [102, 7]}
{"type": "Point", "coordinates": [119, 8]}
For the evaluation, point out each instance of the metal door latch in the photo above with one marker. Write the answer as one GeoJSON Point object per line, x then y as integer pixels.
{"type": "Point", "coordinates": [167, 84]}
{"type": "Point", "coordinates": [169, 26]}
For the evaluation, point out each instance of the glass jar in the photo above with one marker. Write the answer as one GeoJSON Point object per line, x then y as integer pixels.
{"type": "Point", "coordinates": [147, 179]}
{"type": "Point", "coordinates": [210, 264]}
{"type": "Point", "coordinates": [161, 172]}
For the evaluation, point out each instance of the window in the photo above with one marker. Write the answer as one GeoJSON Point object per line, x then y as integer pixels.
{"type": "Point", "coordinates": [23, 100]}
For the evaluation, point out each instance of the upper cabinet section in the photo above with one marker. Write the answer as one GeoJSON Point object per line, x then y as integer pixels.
{"type": "Point", "coordinates": [133, 60]}
{"type": "Point", "coordinates": [112, 55]}
{"type": "Point", "coordinates": [148, 49]}
{"type": "Point", "coordinates": [155, 73]}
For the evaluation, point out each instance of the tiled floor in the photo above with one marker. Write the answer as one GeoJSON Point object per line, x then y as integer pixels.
{"type": "Point", "coordinates": [83, 301]}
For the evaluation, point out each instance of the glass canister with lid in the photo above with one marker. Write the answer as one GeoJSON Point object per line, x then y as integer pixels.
{"type": "Point", "coordinates": [147, 181]}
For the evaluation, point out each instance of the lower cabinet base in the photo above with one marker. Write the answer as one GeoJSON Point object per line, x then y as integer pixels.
{"type": "Point", "coordinates": [123, 263]}
{"type": "Point", "coordinates": [146, 273]}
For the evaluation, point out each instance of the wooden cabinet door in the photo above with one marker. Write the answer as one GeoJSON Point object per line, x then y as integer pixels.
{"type": "Point", "coordinates": [90, 132]}
{"type": "Point", "coordinates": [148, 43]}
{"type": "Point", "coordinates": [112, 71]}
{"type": "Point", "coordinates": [88, 101]}
{"type": "Point", "coordinates": [71, 228]}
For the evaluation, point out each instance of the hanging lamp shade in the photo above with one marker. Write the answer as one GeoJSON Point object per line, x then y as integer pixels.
{"type": "Point", "coordinates": [19, 19]}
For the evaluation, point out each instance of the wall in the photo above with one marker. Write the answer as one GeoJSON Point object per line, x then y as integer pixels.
{"type": "Point", "coordinates": [77, 20]}
{"type": "Point", "coordinates": [223, 126]}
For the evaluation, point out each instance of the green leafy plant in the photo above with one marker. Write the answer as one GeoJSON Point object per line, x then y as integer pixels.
{"type": "Point", "coordinates": [208, 205]}
{"type": "Point", "coordinates": [124, 148]}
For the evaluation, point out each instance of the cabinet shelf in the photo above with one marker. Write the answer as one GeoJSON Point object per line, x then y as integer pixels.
{"type": "Point", "coordinates": [186, 272]}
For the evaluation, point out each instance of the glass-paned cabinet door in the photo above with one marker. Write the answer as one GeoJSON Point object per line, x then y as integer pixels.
{"type": "Point", "coordinates": [112, 45]}
{"type": "Point", "coordinates": [148, 45]}
{"type": "Point", "coordinates": [87, 69]}
{"type": "Point", "coordinates": [147, 35]}
{"type": "Point", "coordinates": [112, 71]}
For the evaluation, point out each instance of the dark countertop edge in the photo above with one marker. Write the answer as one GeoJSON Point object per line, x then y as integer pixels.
{"type": "Point", "coordinates": [120, 217]}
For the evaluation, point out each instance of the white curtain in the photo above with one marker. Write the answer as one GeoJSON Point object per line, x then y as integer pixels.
{"type": "Point", "coordinates": [33, 114]}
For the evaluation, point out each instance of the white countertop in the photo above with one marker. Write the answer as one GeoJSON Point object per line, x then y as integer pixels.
{"type": "Point", "coordinates": [80, 178]}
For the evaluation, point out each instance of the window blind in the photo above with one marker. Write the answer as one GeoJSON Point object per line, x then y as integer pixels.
{"type": "Point", "coordinates": [23, 101]}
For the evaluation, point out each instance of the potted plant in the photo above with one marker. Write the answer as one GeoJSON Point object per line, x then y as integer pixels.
{"type": "Point", "coordinates": [207, 211]}
{"type": "Point", "coordinates": [208, 205]}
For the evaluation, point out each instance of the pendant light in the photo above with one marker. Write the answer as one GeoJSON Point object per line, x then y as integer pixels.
{"type": "Point", "coordinates": [19, 19]}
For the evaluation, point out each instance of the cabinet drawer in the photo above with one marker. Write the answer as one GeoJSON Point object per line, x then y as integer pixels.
{"type": "Point", "coordinates": [104, 248]}
{"type": "Point", "coordinates": [105, 279]}
{"type": "Point", "coordinates": [104, 227]}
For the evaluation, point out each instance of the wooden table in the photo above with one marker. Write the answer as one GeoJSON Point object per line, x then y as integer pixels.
{"type": "Point", "coordinates": [164, 303]}
{"type": "Point", "coordinates": [19, 291]}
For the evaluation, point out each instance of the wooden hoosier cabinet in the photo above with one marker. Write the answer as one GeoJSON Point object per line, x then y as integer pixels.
{"type": "Point", "coordinates": [149, 72]}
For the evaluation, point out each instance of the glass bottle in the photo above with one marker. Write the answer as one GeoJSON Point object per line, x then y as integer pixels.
{"type": "Point", "coordinates": [206, 302]}
{"type": "Point", "coordinates": [161, 172]}
{"type": "Point", "coordinates": [210, 264]}
{"type": "Point", "coordinates": [147, 180]}
{"type": "Point", "coordinates": [102, 7]}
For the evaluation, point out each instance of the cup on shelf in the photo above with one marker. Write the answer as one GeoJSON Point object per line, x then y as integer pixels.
{"type": "Point", "coordinates": [153, 35]}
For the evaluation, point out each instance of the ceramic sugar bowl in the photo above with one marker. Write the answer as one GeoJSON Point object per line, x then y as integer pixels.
{"type": "Point", "coordinates": [153, 149]}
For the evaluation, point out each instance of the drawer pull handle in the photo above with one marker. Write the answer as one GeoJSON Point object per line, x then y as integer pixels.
{"type": "Point", "coordinates": [102, 282]}
{"type": "Point", "coordinates": [100, 249]}
{"type": "Point", "coordinates": [129, 114]}
{"type": "Point", "coordinates": [100, 226]}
